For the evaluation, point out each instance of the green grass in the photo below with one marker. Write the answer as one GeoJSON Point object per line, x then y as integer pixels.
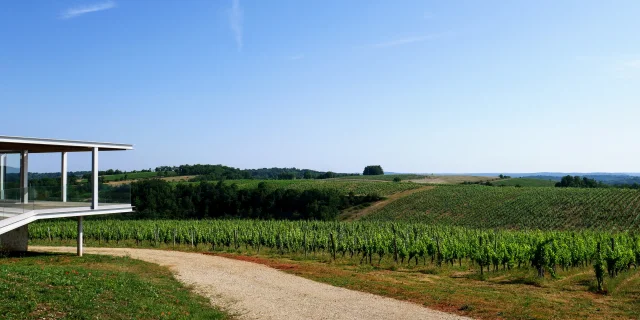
{"type": "Point", "coordinates": [525, 182]}
{"type": "Point", "coordinates": [130, 176]}
{"type": "Point", "coordinates": [518, 208]}
{"type": "Point", "coordinates": [52, 286]}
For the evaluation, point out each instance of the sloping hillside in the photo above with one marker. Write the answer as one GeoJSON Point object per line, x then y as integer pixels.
{"type": "Point", "coordinates": [518, 208]}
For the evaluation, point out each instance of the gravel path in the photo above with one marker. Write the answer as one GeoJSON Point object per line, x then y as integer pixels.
{"type": "Point", "coordinates": [254, 291]}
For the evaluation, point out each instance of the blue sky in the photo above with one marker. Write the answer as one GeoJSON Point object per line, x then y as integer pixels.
{"type": "Point", "coordinates": [414, 86]}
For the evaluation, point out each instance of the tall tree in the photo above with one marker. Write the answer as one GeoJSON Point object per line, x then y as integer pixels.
{"type": "Point", "coordinates": [372, 171]}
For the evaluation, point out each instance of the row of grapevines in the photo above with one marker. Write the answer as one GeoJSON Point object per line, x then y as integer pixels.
{"type": "Point", "coordinates": [518, 208]}
{"type": "Point", "coordinates": [546, 251]}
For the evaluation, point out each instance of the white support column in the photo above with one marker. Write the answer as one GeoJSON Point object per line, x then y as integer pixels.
{"type": "Point", "coordinates": [80, 236]}
{"type": "Point", "coordinates": [3, 164]}
{"type": "Point", "coordinates": [94, 178]}
{"type": "Point", "coordinates": [63, 178]}
{"type": "Point", "coordinates": [24, 175]}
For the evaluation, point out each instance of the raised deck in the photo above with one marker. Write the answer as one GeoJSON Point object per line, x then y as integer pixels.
{"type": "Point", "coordinates": [23, 204]}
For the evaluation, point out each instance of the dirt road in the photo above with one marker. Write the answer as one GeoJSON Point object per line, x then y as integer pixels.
{"type": "Point", "coordinates": [380, 204]}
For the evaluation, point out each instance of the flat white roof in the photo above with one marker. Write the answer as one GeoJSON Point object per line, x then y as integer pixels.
{"type": "Point", "coordinates": [43, 145]}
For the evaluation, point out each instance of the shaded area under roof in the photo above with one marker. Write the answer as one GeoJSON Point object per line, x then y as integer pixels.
{"type": "Point", "coordinates": [43, 145]}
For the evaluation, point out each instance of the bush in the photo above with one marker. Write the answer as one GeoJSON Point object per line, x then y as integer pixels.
{"type": "Point", "coordinates": [397, 179]}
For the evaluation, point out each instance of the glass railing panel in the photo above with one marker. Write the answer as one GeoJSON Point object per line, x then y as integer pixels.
{"type": "Point", "coordinates": [120, 194]}
{"type": "Point", "coordinates": [11, 203]}
{"type": "Point", "coordinates": [80, 195]}
{"type": "Point", "coordinates": [46, 197]}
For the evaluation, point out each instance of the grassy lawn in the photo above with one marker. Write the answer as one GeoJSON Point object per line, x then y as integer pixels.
{"type": "Point", "coordinates": [53, 286]}
{"type": "Point", "coordinates": [512, 294]}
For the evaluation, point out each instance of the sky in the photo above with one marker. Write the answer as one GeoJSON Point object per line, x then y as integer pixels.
{"type": "Point", "coordinates": [414, 86]}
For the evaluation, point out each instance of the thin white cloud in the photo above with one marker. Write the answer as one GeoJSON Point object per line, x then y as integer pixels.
{"type": "Point", "coordinates": [406, 40]}
{"type": "Point", "coordinates": [297, 57]}
{"type": "Point", "coordinates": [78, 11]}
{"type": "Point", "coordinates": [236, 17]}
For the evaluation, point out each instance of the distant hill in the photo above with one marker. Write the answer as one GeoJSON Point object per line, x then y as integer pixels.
{"type": "Point", "coordinates": [582, 174]}
{"type": "Point", "coordinates": [12, 170]}
{"type": "Point", "coordinates": [604, 177]}
{"type": "Point", "coordinates": [532, 174]}
{"type": "Point", "coordinates": [611, 179]}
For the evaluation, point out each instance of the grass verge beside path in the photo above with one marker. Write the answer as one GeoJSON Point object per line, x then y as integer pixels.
{"type": "Point", "coordinates": [52, 286]}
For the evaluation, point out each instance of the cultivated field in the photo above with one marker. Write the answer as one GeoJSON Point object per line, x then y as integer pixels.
{"type": "Point", "coordinates": [130, 176]}
{"type": "Point", "coordinates": [358, 187]}
{"type": "Point", "coordinates": [486, 252]}
{"type": "Point", "coordinates": [482, 273]}
{"type": "Point", "coordinates": [382, 177]}
{"type": "Point", "coordinates": [418, 178]}
{"type": "Point", "coordinates": [524, 182]}
{"type": "Point", "coordinates": [169, 179]}
{"type": "Point", "coordinates": [451, 179]}
{"type": "Point", "coordinates": [518, 208]}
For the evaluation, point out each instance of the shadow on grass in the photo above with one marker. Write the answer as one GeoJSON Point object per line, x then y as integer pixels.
{"type": "Point", "coordinates": [536, 282]}
{"type": "Point", "coordinates": [30, 254]}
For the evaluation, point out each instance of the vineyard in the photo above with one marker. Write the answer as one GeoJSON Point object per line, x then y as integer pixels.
{"type": "Point", "coordinates": [130, 176]}
{"type": "Point", "coordinates": [547, 252]}
{"type": "Point", "coordinates": [383, 177]}
{"type": "Point", "coordinates": [525, 182]}
{"type": "Point", "coordinates": [518, 208]}
{"type": "Point", "coordinates": [362, 187]}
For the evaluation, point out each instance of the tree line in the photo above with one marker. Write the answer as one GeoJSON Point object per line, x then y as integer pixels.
{"type": "Point", "coordinates": [217, 172]}
{"type": "Point", "coordinates": [579, 182]}
{"type": "Point", "coordinates": [207, 171]}
{"type": "Point", "coordinates": [160, 199]}
{"type": "Point", "coordinates": [569, 181]}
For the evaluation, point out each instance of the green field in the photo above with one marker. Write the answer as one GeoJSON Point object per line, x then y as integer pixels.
{"type": "Point", "coordinates": [524, 182]}
{"type": "Point", "coordinates": [62, 286]}
{"type": "Point", "coordinates": [362, 187]}
{"type": "Point", "coordinates": [130, 176]}
{"type": "Point", "coordinates": [518, 208]}
{"type": "Point", "coordinates": [384, 177]}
